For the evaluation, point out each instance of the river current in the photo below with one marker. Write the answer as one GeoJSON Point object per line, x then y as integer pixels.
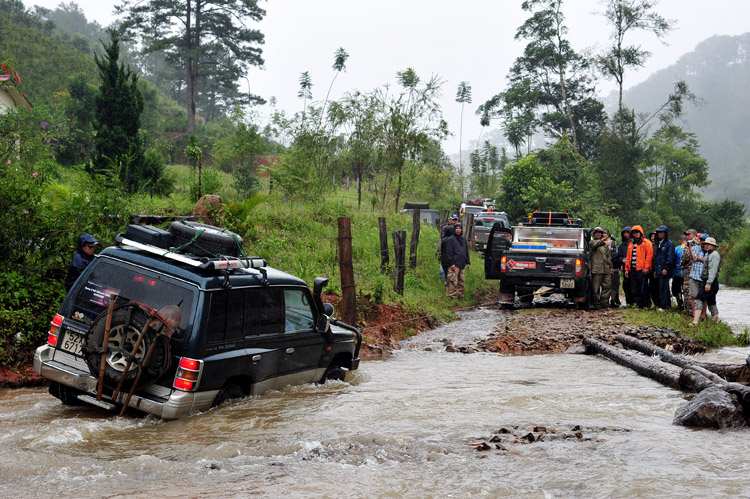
{"type": "Point", "coordinates": [407, 426]}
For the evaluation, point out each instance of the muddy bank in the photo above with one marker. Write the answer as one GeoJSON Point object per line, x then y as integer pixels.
{"type": "Point", "coordinates": [563, 330]}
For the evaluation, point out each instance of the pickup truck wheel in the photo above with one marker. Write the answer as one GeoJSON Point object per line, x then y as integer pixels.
{"type": "Point", "coordinates": [210, 242]}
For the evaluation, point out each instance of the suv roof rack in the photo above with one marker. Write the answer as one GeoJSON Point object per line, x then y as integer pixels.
{"type": "Point", "coordinates": [203, 263]}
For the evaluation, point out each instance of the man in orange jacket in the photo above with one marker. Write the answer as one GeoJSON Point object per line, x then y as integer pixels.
{"type": "Point", "coordinates": [638, 263]}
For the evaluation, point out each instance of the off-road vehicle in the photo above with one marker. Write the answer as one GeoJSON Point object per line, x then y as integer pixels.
{"type": "Point", "coordinates": [548, 254]}
{"type": "Point", "coordinates": [174, 322]}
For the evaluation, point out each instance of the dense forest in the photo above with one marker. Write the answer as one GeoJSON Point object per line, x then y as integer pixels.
{"type": "Point", "coordinates": [141, 118]}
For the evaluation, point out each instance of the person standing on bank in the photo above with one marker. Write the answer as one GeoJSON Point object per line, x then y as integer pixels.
{"type": "Point", "coordinates": [709, 282]}
{"type": "Point", "coordinates": [445, 233]}
{"type": "Point", "coordinates": [619, 262]}
{"type": "Point", "coordinates": [457, 251]}
{"type": "Point", "coordinates": [601, 268]}
{"type": "Point", "coordinates": [83, 256]}
{"type": "Point", "coordinates": [698, 256]}
{"type": "Point", "coordinates": [664, 264]}
{"type": "Point", "coordinates": [686, 262]}
{"type": "Point", "coordinates": [638, 261]}
{"type": "Point", "coordinates": [678, 278]}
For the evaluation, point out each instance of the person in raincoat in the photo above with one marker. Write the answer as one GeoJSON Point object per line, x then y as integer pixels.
{"type": "Point", "coordinates": [664, 264]}
{"type": "Point", "coordinates": [709, 282]}
{"type": "Point", "coordinates": [639, 259]}
{"type": "Point", "coordinates": [601, 268]}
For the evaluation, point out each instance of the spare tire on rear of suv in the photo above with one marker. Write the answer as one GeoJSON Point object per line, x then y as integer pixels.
{"type": "Point", "coordinates": [205, 240]}
{"type": "Point", "coordinates": [128, 320]}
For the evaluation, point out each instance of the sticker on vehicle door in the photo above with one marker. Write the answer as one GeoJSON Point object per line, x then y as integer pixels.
{"type": "Point", "coordinates": [512, 265]}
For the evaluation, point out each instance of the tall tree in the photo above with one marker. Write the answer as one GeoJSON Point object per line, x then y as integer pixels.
{"type": "Point", "coordinates": [305, 92]}
{"type": "Point", "coordinates": [626, 16]}
{"type": "Point", "coordinates": [118, 117]}
{"type": "Point", "coordinates": [411, 119]}
{"type": "Point", "coordinates": [191, 31]}
{"type": "Point", "coordinates": [339, 65]}
{"type": "Point", "coordinates": [463, 96]}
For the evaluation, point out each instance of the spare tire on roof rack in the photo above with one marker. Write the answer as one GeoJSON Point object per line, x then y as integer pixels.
{"type": "Point", "coordinates": [205, 240]}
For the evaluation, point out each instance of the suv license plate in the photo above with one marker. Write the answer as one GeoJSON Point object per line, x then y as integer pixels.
{"type": "Point", "coordinates": [72, 342]}
{"type": "Point", "coordinates": [567, 283]}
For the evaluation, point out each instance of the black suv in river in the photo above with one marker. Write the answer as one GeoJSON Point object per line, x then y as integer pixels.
{"type": "Point", "coordinates": [174, 322]}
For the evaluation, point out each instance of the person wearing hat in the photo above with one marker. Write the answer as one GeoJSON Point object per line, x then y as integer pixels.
{"type": "Point", "coordinates": [698, 258]}
{"type": "Point", "coordinates": [678, 276]}
{"type": "Point", "coordinates": [639, 259]}
{"type": "Point", "coordinates": [664, 264]}
{"type": "Point", "coordinates": [709, 285]}
{"type": "Point", "coordinates": [686, 262]}
{"type": "Point", "coordinates": [83, 256]}
{"type": "Point", "coordinates": [601, 268]}
{"type": "Point", "coordinates": [619, 263]}
{"type": "Point", "coordinates": [457, 252]}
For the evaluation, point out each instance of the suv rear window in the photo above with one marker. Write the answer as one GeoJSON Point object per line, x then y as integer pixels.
{"type": "Point", "coordinates": [128, 284]}
{"type": "Point", "coordinates": [480, 221]}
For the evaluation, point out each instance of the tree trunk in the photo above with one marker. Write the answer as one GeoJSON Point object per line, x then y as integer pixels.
{"type": "Point", "coordinates": [399, 251]}
{"type": "Point", "coordinates": [191, 70]}
{"type": "Point", "coordinates": [664, 373]}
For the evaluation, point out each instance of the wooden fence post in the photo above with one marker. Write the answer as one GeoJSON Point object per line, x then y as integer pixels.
{"type": "Point", "coordinates": [348, 294]}
{"type": "Point", "coordinates": [416, 222]}
{"type": "Point", "coordinates": [469, 231]}
{"type": "Point", "coordinates": [399, 252]}
{"type": "Point", "coordinates": [384, 259]}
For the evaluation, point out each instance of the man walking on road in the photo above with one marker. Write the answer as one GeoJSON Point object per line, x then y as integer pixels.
{"type": "Point", "coordinates": [458, 255]}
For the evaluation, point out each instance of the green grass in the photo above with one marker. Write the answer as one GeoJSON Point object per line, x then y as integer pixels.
{"type": "Point", "coordinates": [710, 334]}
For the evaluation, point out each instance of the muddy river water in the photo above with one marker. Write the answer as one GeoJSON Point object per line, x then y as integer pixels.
{"type": "Point", "coordinates": [407, 426]}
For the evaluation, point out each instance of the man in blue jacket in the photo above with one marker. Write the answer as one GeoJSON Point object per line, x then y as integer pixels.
{"type": "Point", "coordinates": [664, 264]}
{"type": "Point", "coordinates": [83, 256]}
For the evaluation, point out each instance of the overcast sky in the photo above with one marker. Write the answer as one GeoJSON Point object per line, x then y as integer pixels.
{"type": "Point", "coordinates": [468, 41]}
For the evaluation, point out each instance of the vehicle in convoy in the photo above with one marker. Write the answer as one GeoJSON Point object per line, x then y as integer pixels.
{"type": "Point", "coordinates": [483, 223]}
{"type": "Point", "coordinates": [429, 217]}
{"type": "Point", "coordinates": [152, 326]}
{"type": "Point", "coordinates": [547, 254]}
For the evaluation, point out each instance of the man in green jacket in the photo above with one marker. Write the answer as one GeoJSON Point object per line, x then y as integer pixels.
{"type": "Point", "coordinates": [601, 268]}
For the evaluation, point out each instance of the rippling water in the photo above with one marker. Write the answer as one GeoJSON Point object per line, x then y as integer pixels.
{"type": "Point", "coordinates": [402, 427]}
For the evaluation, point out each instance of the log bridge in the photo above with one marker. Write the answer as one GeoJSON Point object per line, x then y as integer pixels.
{"type": "Point", "coordinates": [723, 399]}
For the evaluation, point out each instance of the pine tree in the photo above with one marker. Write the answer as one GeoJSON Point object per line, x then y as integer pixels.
{"type": "Point", "coordinates": [118, 118]}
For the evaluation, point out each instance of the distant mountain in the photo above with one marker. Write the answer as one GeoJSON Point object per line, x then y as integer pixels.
{"type": "Point", "coordinates": [718, 72]}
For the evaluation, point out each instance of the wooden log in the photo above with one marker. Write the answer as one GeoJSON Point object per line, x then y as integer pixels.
{"type": "Point", "coordinates": [729, 372]}
{"type": "Point", "coordinates": [415, 224]}
{"type": "Point", "coordinates": [664, 373]}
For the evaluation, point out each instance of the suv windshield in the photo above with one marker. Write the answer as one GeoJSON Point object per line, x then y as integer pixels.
{"type": "Point", "coordinates": [128, 283]}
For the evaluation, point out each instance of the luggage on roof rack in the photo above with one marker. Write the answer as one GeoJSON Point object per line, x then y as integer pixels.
{"type": "Point", "coordinates": [143, 238]}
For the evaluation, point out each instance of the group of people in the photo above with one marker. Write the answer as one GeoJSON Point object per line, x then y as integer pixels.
{"type": "Point", "coordinates": [647, 266]}
{"type": "Point", "coordinates": [454, 257]}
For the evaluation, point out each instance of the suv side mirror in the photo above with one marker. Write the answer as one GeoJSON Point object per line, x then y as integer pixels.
{"type": "Point", "coordinates": [328, 309]}
{"type": "Point", "coordinates": [323, 325]}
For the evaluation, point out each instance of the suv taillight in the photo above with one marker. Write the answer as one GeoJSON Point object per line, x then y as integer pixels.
{"type": "Point", "coordinates": [502, 263]}
{"type": "Point", "coordinates": [579, 266]}
{"type": "Point", "coordinates": [53, 329]}
{"type": "Point", "coordinates": [188, 374]}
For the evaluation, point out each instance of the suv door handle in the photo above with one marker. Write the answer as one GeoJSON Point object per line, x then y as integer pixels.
{"type": "Point", "coordinates": [256, 358]}
{"type": "Point", "coordinates": [290, 350]}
